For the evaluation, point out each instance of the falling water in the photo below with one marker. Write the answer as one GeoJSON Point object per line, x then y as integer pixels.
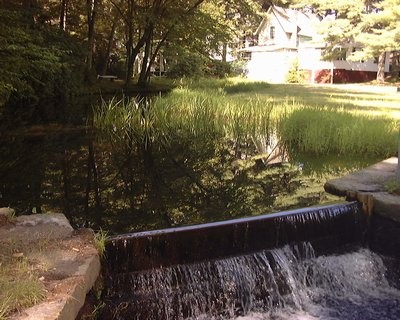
{"type": "Point", "coordinates": [326, 227]}
{"type": "Point", "coordinates": [301, 264]}
{"type": "Point", "coordinates": [284, 283]}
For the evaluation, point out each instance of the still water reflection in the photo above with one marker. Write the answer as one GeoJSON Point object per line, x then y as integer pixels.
{"type": "Point", "coordinates": [125, 186]}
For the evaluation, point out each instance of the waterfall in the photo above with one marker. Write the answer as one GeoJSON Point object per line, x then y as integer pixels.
{"type": "Point", "coordinates": [326, 227]}
{"type": "Point", "coordinates": [290, 282]}
{"type": "Point", "coordinates": [301, 264]}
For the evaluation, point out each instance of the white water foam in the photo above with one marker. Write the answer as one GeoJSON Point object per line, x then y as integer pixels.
{"type": "Point", "coordinates": [280, 284]}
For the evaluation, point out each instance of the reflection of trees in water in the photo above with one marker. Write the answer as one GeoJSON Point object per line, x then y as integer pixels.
{"type": "Point", "coordinates": [133, 183]}
{"type": "Point", "coordinates": [192, 180]}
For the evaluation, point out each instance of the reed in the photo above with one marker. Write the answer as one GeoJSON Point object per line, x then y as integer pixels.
{"type": "Point", "coordinates": [324, 130]}
{"type": "Point", "coordinates": [208, 109]}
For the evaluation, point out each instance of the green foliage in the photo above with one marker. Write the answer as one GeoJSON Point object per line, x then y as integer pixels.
{"type": "Point", "coordinates": [218, 69]}
{"type": "Point", "coordinates": [187, 64]}
{"type": "Point", "coordinates": [295, 75]}
{"type": "Point", "coordinates": [38, 64]}
{"type": "Point", "coordinates": [100, 239]}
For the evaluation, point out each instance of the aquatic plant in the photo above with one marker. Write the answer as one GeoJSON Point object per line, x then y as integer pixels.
{"type": "Point", "coordinates": [336, 131]}
{"type": "Point", "coordinates": [203, 109]}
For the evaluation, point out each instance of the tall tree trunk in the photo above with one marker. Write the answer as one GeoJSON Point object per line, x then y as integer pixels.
{"type": "Point", "coordinates": [130, 59]}
{"type": "Point", "coordinates": [395, 62]}
{"type": "Point", "coordinates": [155, 53]}
{"type": "Point", "coordinates": [398, 156]}
{"type": "Point", "coordinates": [224, 52]}
{"type": "Point", "coordinates": [146, 58]}
{"type": "Point", "coordinates": [91, 6]}
{"type": "Point", "coordinates": [380, 75]}
{"type": "Point", "coordinates": [109, 47]}
{"type": "Point", "coordinates": [30, 7]}
{"type": "Point", "coordinates": [63, 14]}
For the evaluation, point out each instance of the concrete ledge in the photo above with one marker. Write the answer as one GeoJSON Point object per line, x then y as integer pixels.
{"type": "Point", "coordinates": [368, 187]}
{"type": "Point", "coordinates": [66, 261]}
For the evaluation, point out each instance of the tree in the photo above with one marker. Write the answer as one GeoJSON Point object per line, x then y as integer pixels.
{"type": "Point", "coordinates": [380, 33]}
{"type": "Point", "coordinates": [371, 26]}
{"type": "Point", "coordinates": [91, 12]}
{"type": "Point", "coordinates": [38, 63]}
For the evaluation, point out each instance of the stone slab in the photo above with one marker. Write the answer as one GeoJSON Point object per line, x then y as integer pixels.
{"type": "Point", "coordinates": [65, 304]}
{"type": "Point", "coordinates": [368, 187]}
{"type": "Point", "coordinates": [37, 226]}
{"type": "Point", "coordinates": [66, 261]}
{"type": "Point", "coordinates": [371, 179]}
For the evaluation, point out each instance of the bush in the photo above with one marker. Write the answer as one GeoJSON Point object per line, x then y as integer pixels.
{"type": "Point", "coordinates": [218, 69]}
{"type": "Point", "coordinates": [295, 75]}
{"type": "Point", "coordinates": [187, 64]}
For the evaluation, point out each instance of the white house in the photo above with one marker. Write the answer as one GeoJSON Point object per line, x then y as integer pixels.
{"type": "Point", "coordinates": [285, 35]}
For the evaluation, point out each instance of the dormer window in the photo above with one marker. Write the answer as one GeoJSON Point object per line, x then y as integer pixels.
{"type": "Point", "coordinates": [272, 32]}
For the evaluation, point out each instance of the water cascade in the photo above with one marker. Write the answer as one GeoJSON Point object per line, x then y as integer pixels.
{"type": "Point", "coordinates": [303, 264]}
{"type": "Point", "coordinates": [326, 227]}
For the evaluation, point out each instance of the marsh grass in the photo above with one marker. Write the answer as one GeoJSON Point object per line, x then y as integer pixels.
{"type": "Point", "coordinates": [307, 119]}
{"type": "Point", "coordinates": [333, 131]}
{"type": "Point", "coordinates": [246, 87]}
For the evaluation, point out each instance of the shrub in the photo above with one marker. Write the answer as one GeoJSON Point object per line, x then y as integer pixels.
{"type": "Point", "coordinates": [218, 69]}
{"type": "Point", "coordinates": [295, 75]}
{"type": "Point", "coordinates": [187, 64]}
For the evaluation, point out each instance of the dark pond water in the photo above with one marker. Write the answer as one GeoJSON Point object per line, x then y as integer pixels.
{"type": "Point", "coordinates": [150, 179]}
{"type": "Point", "coordinates": [124, 186]}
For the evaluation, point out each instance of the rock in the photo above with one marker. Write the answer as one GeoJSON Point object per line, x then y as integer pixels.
{"type": "Point", "coordinates": [6, 216]}
{"type": "Point", "coordinates": [371, 179]}
{"type": "Point", "coordinates": [71, 259]}
{"type": "Point", "coordinates": [368, 187]}
{"type": "Point", "coordinates": [37, 226]}
{"type": "Point", "coordinates": [7, 212]}
{"type": "Point", "coordinates": [387, 205]}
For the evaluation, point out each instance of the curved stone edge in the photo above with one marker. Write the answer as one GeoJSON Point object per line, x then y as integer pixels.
{"type": "Point", "coordinates": [368, 187]}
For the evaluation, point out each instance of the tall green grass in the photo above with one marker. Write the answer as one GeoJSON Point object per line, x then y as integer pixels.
{"type": "Point", "coordinates": [204, 110]}
{"type": "Point", "coordinates": [324, 131]}
{"type": "Point", "coordinates": [185, 113]}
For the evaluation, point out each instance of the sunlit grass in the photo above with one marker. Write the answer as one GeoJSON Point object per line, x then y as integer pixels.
{"type": "Point", "coordinates": [309, 119]}
{"type": "Point", "coordinates": [336, 131]}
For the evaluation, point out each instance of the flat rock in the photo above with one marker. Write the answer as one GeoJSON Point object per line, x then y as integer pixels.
{"type": "Point", "coordinates": [371, 179]}
{"type": "Point", "coordinates": [37, 226]}
{"type": "Point", "coordinates": [66, 260]}
{"type": "Point", "coordinates": [368, 187]}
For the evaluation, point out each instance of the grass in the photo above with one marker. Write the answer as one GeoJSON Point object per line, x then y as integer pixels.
{"type": "Point", "coordinates": [393, 186]}
{"type": "Point", "coordinates": [308, 119]}
{"type": "Point", "coordinates": [100, 238]}
{"type": "Point", "coordinates": [333, 131]}
{"type": "Point", "coordinates": [19, 286]}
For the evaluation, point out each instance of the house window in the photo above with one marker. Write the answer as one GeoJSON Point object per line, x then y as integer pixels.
{"type": "Point", "coordinates": [272, 32]}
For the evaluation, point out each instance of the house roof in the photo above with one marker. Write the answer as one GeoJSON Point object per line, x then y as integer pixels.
{"type": "Point", "coordinates": [290, 19]}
